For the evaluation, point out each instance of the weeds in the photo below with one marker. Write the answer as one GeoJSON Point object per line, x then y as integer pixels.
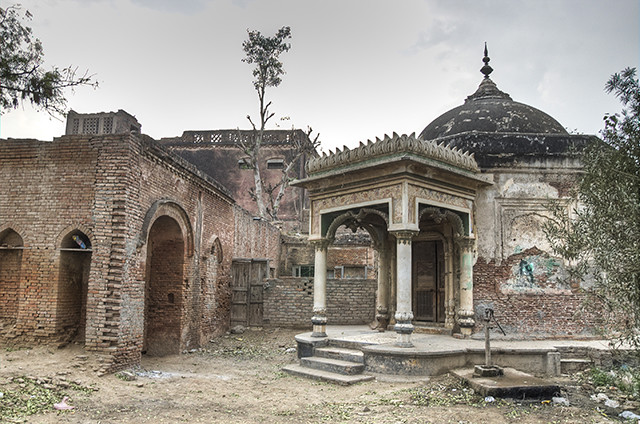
{"type": "Point", "coordinates": [27, 396]}
{"type": "Point", "coordinates": [624, 378]}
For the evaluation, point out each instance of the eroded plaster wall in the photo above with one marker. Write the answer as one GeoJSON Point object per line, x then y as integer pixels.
{"type": "Point", "coordinates": [516, 273]}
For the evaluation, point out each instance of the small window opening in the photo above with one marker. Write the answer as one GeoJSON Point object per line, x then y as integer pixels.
{"type": "Point", "coordinates": [275, 164]}
{"type": "Point", "coordinates": [303, 271]}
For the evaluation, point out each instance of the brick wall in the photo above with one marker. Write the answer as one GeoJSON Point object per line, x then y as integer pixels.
{"type": "Point", "coordinates": [48, 191]}
{"type": "Point", "coordinates": [220, 161]}
{"type": "Point", "coordinates": [112, 189]}
{"type": "Point", "coordinates": [538, 305]}
{"type": "Point", "coordinates": [299, 252]}
{"type": "Point", "coordinates": [289, 301]}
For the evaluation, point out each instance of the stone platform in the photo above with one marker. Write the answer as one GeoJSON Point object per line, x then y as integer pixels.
{"type": "Point", "coordinates": [434, 354]}
{"type": "Point", "coordinates": [513, 384]}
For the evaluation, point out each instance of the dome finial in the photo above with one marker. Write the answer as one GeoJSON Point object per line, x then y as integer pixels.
{"type": "Point", "coordinates": [486, 69]}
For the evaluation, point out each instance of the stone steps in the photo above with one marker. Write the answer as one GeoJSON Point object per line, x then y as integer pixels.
{"type": "Point", "coordinates": [333, 363]}
{"type": "Point", "coordinates": [330, 377]}
{"type": "Point", "coordinates": [574, 359]}
{"type": "Point", "coordinates": [340, 353]}
{"type": "Point", "coordinates": [571, 365]}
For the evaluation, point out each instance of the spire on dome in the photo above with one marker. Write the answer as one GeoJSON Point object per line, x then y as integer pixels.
{"type": "Point", "coordinates": [486, 69]}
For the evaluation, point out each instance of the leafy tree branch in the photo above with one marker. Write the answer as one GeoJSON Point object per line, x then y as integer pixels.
{"type": "Point", "coordinates": [22, 77]}
{"type": "Point", "coordinates": [601, 237]}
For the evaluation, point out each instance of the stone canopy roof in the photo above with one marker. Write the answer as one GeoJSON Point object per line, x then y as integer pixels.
{"type": "Point", "coordinates": [396, 145]}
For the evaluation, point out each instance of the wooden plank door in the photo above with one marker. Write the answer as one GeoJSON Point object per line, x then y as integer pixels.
{"type": "Point", "coordinates": [259, 271]}
{"type": "Point", "coordinates": [247, 286]}
{"type": "Point", "coordinates": [241, 271]}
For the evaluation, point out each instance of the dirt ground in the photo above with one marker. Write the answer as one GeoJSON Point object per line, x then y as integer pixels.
{"type": "Point", "coordinates": [238, 379]}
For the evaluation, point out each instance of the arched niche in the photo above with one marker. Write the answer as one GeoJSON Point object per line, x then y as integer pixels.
{"type": "Point", "coordinates": [11, 248]}
{"type": "Point", "coordinates": [209, 286]}
{"type": "Point", "coordinates": [73, 281]}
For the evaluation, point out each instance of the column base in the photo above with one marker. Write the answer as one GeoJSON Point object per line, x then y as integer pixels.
{"type": "Point", "coordinates": [404, 331]}
{"type": "Point", "coordinates": [404, 341]}
{"type": "Point", "coordinates": [319, 331]}
{"type": "Point", "coordinates": [382, 321]}
{"type": "Point", "coordinates": [466, 321]}
{"type": "Point", "coordinates": [319, 326]}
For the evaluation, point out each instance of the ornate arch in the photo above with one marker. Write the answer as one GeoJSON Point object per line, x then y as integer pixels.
{"type": "Point", "coordinates": [439, 215]}
{"type": "Point", "coordinates": [172, 209]}
{"type": "Point", "coordinates": [355, 221]}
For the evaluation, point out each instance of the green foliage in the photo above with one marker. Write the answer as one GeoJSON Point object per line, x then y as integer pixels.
{"type": "Point", "coordinates": [265, 52]}
{"type": "Point", "coordinates": [22, 78]}
{"type": "Point", "coordinates": [446, 395]}
{"type": "Point", "coordinates": [601, 238]}
{"type": "Point", "coordinates": [624, 378]}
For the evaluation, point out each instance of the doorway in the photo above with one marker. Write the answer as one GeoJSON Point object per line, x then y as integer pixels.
{"type": "Point", "coordinates": [73, 282]}
{"type": "Point", "coordinates": [427, 278]}
{"type": "Point", "coordinates": [164, 288]}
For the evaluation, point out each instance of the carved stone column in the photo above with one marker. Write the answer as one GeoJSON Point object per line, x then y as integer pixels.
{"type": "Point", "coordinates": [404, 313]}
{"type": "Point", "coordinates": [319, 319]}
{"type": "Point", "coordinates": [465, 313]}
{"type": "Point", "coordinates": [382, 301]}
{"type": "Point", "coordinates": [450, 300]}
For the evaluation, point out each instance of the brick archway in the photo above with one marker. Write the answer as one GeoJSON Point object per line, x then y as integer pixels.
{"type": "Point", "coordinates": [164, 287]}
{"type": "Point", "coordinates": [73, 282]}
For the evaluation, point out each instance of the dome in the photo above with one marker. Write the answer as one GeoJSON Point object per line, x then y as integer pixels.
{"type": "Point", "coordinates": [491, 110]}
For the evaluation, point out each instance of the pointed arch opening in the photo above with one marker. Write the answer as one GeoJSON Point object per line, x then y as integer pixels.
{"type": "Point", "coordinates": [210, 286]}
{"type": "Point", "coordinates": [164, 287]}
{"type": "Point", "coordinates": [73, 282]}
{"type": "Point", "coordinates": [11, 247]}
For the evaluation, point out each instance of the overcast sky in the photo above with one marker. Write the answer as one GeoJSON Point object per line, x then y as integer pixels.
{"type": "Point", "coordinates": [356, 70]}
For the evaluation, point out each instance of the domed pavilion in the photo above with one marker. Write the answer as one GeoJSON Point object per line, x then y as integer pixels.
{"type": "Point", "coordinates": [456, 216]}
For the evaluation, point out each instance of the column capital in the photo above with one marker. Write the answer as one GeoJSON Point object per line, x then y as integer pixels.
{"type": "Point", "coordinates": [320, 244]}
{"type": "Point", "coordinates": [404, 236]}
{"type": "Point", "coordinates": [466, 243]}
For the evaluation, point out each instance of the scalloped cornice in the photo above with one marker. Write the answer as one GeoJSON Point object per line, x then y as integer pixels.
{"type": "Point", "coordinates": [395, 144]}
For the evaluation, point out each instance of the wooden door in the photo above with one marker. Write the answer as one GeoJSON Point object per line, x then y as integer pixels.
{"type": "Point", "coordinates": [259, 272]}
{"type": "Point", "coordinates": [428, 281]}
{"type": "Point", "coordinates": [247, 291]}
